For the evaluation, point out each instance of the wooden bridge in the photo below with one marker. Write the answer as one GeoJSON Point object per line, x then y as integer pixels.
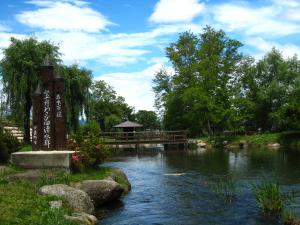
{"type": "Point", "coordinates": [146, 137]}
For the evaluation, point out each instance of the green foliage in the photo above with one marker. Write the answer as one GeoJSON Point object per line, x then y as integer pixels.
{"type": "Point", "coordinates": [89, 152]}
{"type": "Point", "coordinates": [106, 107]}
{"type": "Point", "coordinates": [20, 68]}
{"type": "Point", "coordinates": [271, 199]}
{"type": "Point", "coordinates": [8, 145]}
{"type": "Point", "coordinates": [215, 88]}
{"type": "Point", "coordinates": [289, 139]}
{"type": "Point", "coordinates": [199, 95]}
{"type": "Point", "coordinates": [290, 218]}
{"type": "Point", "coordinates": [91, 128]}
{"type": "Point", "coordinates": [77, 83]}
{"type": "Point", "coordinates": [148, 119]}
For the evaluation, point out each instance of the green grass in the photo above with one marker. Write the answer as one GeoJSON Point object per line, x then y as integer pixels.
{"type": "Point", "coordinates": [26, 148]}
{"type": "Point", "coordinates": [20, 203]}
{"type": "Point", "coordinates": [271, 198]}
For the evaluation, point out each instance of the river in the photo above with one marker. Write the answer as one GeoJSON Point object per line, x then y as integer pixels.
{"type": "Point", "coordinates": [181, 187]}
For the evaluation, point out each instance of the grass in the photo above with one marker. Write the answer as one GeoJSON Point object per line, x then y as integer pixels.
{"type": "Point", "coordinates": [225, 188]}
{"type": "Point", "coordinates": [272, 200]}
{"type": "Point", "coordinates": [289, 218]}
{"type": "Point", "coordinates": [20, 203]}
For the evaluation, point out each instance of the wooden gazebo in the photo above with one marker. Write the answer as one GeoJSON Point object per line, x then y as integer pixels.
{"type": "Point", "coordinates": [128, 126]}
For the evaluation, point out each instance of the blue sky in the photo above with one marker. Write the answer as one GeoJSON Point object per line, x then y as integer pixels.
{"type": "Point", "coordinates": [123, 41]}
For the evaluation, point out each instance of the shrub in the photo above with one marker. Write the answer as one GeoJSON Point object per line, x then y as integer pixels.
{"type": "Point", "coordinates": [271, 199]}
{"type": "Point", "coordinates": [89, 152]}
{"type": "Point", "coordinates": [8, 145]}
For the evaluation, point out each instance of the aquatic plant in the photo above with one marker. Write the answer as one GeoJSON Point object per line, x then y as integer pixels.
{"type": "Point", "coordinates": [289, 218]}
{"type": "Point", "coordinates": [225, 188]}
{"type": "Point", "coordinates": [271, 199]}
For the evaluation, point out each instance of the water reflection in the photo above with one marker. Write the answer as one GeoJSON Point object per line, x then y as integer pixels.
{"type": "Point", "coordinates": [175, 187]}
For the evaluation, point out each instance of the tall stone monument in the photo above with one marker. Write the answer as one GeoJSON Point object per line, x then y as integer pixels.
{"type": "Point", "coordinates": [49, 129]}
{"type": "Point", "coordinates": [48, 126]}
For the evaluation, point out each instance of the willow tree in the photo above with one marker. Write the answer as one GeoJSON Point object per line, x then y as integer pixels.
{"type": "Point", "coordinates": [20, 68]}
{"type": "Point", "coordinates": [77, 83]}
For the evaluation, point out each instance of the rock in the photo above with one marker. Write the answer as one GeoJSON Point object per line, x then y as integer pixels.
{"type": "Point", "coordinates": [55, 204]}
{"type": "Point", "coordinates": [78, 200]}
{"type": "Point", "coordinates": [243, 144]}
{"type": "Point", "coordinates": [273, 145]}
{"type": "Point", "coordinates": [101, 191]}
{"type": "Point", "coordinates": [82, 218]}
{"type": "Point", "coordinates": [119, 174]}
{"type": "Point", "coordinates": [201, 144]}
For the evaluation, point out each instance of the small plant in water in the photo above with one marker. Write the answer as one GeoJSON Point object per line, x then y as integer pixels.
{"type": "Point", "coordinates": [271, 199]}
{"type": "Point", "coordinates": [289, 218]}
{"type": "Point", "coordinates": [225, 188]}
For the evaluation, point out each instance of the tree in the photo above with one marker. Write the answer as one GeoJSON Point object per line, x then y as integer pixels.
{"type": "Point", "coordinates": [106, 107]}
{"type": "Point", "coordinates": [20, 69]}
{"type": "Point", "coordinates": [201, 90]}
{"type": "Point", "coordinates": [77, 83]}
{"type": "Point", "coordinates": [148, 119]}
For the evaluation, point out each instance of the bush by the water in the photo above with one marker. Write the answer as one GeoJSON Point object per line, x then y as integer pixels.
{"type": "Point", "coordinates": [89, 152]}
{"type": "Point", "coordinates": [8, 144]}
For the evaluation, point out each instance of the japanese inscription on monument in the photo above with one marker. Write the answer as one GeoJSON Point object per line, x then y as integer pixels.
{"type": "Point", "coordinates": [49, 130]}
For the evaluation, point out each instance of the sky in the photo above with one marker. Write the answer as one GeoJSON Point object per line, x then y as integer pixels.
{"type": "Point", "coordinates": [123, 41]}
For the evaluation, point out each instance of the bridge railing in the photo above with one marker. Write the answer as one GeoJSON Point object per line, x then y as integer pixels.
{"type": "Point", "coordinates": [150, 136]}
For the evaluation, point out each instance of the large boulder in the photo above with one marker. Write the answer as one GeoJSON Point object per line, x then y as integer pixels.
{"type": "Point", "coordinates": [78, 200]}
{"type": "Point", "coordinates": [120, 177]}
{"type": "Point", "coordinates": [101, 191]}
{"type": "Point", "coordinates": [82, 218]}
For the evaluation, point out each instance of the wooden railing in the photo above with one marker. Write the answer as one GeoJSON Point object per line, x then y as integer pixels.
{"type": "Point", "coordinates": [144, 137]}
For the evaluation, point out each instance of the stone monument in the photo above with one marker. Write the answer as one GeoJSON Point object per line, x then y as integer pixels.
{"type": "Point", "coordinates": [48, 125]}
{"type": "Point", "coordinates": [49, 129]}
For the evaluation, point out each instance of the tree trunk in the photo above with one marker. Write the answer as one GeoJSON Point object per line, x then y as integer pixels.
{"type": "Point", "coordinates": [26, 124]}
{"type": "Point", "coordinates": [209, 128]}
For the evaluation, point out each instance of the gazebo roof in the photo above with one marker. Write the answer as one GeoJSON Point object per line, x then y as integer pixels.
{"type": "Point", "coordinates": [128, 124]}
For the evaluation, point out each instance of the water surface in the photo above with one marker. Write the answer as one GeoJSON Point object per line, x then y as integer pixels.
{"type": "Point", "coordinates": [179, 188]}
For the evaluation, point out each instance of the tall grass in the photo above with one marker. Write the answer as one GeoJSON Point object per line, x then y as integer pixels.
{"type": "Point", "coordinates": [271, 198]}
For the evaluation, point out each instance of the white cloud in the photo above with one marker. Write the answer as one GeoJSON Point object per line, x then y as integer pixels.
{"type": "Point", "coordinates": [288, 50]}
{"type": "Point", "coordinates": [173, 11]}
{"type": "Point", "coordinates": [255, 20]}
{"type": "Point", "coordinates": [135, 87]}
{"type": "Point", "coordinates": [63, 15]}
{"type": "Point", "coordinates": [112, 49]}
{"type": "Point", "coordinates": [3, 28]}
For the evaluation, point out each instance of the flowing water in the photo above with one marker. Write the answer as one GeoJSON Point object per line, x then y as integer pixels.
{"type": "Point", "coordinates": [187, 187]}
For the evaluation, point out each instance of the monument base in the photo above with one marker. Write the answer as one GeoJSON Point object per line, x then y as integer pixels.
{"type": "Point", "coordinates": [43, 159]}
